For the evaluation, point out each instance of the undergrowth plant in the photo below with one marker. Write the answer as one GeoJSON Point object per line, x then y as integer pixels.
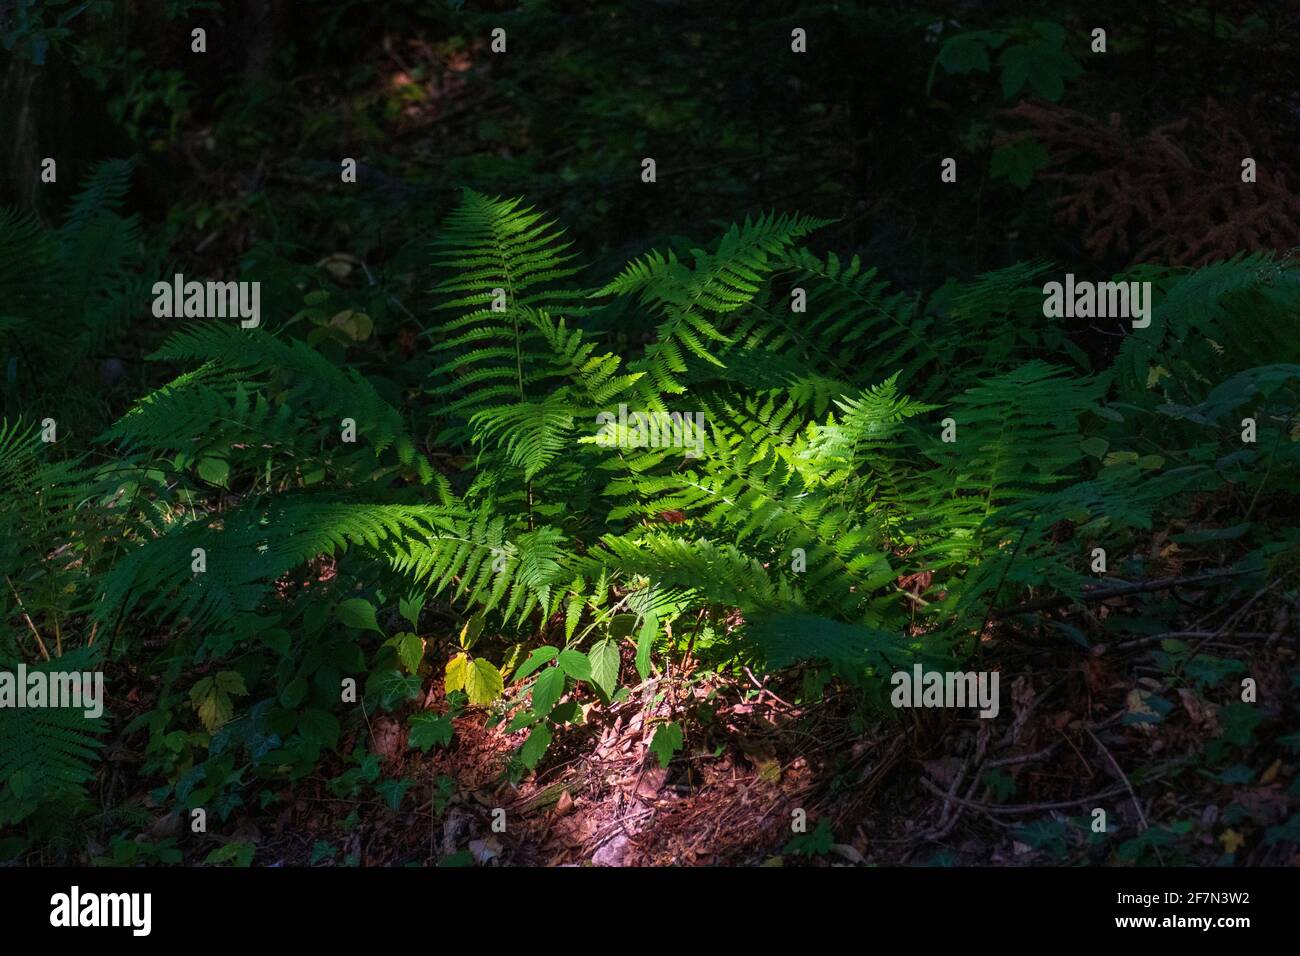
{"type": "Point", "coordinates": [877, 479]}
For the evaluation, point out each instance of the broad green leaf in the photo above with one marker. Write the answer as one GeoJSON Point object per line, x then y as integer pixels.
{"type": "Point", "coordinates": [1015, 62]}
{"type": "Point", "coordinates": [355, 325]}
{"type": "Point", "coordinates": [358, 613]}
{"type": "Point", "coordinates": [543, 655]}
{"type": "Point", "coordinates": [547, 690]}
{"type": "Point", "coordinates": [319, 726]}
{"type": "Point", "coordinates": [667, 741]}
{"type": "Point", "coordinates": [604, 659]}
{"type": "Point", "coordinates": [232, 682]}
{"type": "Point", "coordinates": [429, 729]}
{"type": "Point", "coordinates": [410, 651]}
{"type": "Point", "coordinates": [535, 746]}
{"type": "Point", "coordinates": [621, 625]}
{"type": "Point", "coordinates": [214, 708]}
{"type": "Point", "coordinates": [575, 664]}
{"type": "Point", "coordinates": [215, 471]}
{"type": "Point", "coordinates": [410, 608]}
{"type": "Point", "coordinates": [472, 629]}
{"type": "Point", "coordinates": [294, 693]}
{"type": "Point", "coordinates": [965, 52]}
{"type": "Point", "coordinates": [522, 719]}
{"type": "Point", "coordinates": [1095, 446]}
{"type": "Point", "coordinates": [276, 638]}
{"type": "Point", "coordinates": [393, 791]}
{"type": "Point", "coordinates": [20, 783]}
{"type": "Point", "coordinates": [644, 644]}
{"type": "Point", "coordinates": [1053, 33]}
{"type": "Point", "coordinates": [1018, 161]}
{"type": "Point", "coordinates": [395, 688]}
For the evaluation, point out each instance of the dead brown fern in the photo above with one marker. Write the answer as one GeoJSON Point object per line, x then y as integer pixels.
{"type": "Point", "coordinates": [1173, 195]}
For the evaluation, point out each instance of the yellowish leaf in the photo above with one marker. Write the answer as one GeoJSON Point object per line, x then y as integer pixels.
{"type": "Point", "coordinates": [1231, 840]}
{"type": "Point", "coordinates": [457, 672]}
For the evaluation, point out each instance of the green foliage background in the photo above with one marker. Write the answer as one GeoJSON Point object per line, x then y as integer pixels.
{"type": "Point", "coordinates": [476, 531]}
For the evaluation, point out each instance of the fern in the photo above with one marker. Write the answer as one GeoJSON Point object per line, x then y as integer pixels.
{"type": "Point", "coordinates": [47, 754]}
{"type": "Point", "coordinates": [492, 357]}
{"type": "Point", "coordinates": [823, 489]}
{"type": "Point", "coordinates": [693, 301]}
{"type": "Point", "coordinates": [245, 552]}
{"type": "Point", "coordinates": [219, 404]}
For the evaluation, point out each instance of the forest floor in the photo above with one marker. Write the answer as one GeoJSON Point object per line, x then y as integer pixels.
{"type": "Point", "coordinates": [1079, 730]}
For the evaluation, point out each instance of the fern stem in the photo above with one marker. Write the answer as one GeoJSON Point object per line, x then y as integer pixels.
{"type": "Point", "coordinates": [23, 610]}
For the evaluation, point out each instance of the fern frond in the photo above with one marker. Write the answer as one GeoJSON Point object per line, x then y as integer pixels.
{"type": "Point", "coordinates": [490, 355]}
{"type": "Point", "coordinates": [719, 283]}
{"type": "Point", "coordinates": [221, 393]}
{"type": "Point", "coordinates": [48, 754]}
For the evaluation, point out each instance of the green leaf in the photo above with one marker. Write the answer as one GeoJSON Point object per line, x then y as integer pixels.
{"type": "Point", "coordinates": [547, 690]}
{"type": "Point", "coordinates": [410, 607]}
{"type": "Point", "coordinates": [232, 682]}
{"type": "Point", "coordinates": [961, 54]}
{"type": "Point", "coordinates": [322, 850]}
{"type": "Point", "coordinates": [1095, 446]}
{"type": "Point", "coordinates": [319, 726]}
{"type": "Point", "coordinates": [644, 644]}
{"type": "Point", "coordinates": [21, 783]}
{"type": "Point", "coordinates": [428, 730]}
{"type": "Point", "coordinates": [605, 662]}
{"type": "Point", "coordinates": [522, 719]}
{"type": "Point", "coordinates": [294, 693]}
{"type": "Point", "coordinates": [358, 613]}
{"type": "Point", "coordinates": [240, 853]}
{"type": "Point", "coordinates": [968, 51]}
{"type": "Point", "coordinates": [1053, 33]}
{"type": "Point", "coordinates": [277, 639]}
{"type": "Point", "coordinates": [535, 746]}
{"type": "Point", "coordinates": [817, 843]}
{"type": "Point", "coordinates": [410, 651]}
{"type": "Point", "coordinates": [393, 791]}
{"type": "Point", "coordinates": [575, 664]}
{"type": "Point", "coordinates": [667, 741]}
{"type": "Point", "coordinates": [215, 471]}
{"type": "Point", "coordinates": [1015, 63]}
{"type": "Point", "coordinates": [472, 629]}
{"type": "Point", "coordinates": [621, 625]}
{"type": "Point", "coordinates": [395, 688]}
{"type": "Point", "coordinates": [543, 655]}
{"type": "Point", "coordinates": [483, 683]}
{"type": "Point", "coordinates": [1018, 161]}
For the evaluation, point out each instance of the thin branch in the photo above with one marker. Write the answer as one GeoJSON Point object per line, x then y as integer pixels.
{"type": "Point", "coordinates": [23, 610]}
